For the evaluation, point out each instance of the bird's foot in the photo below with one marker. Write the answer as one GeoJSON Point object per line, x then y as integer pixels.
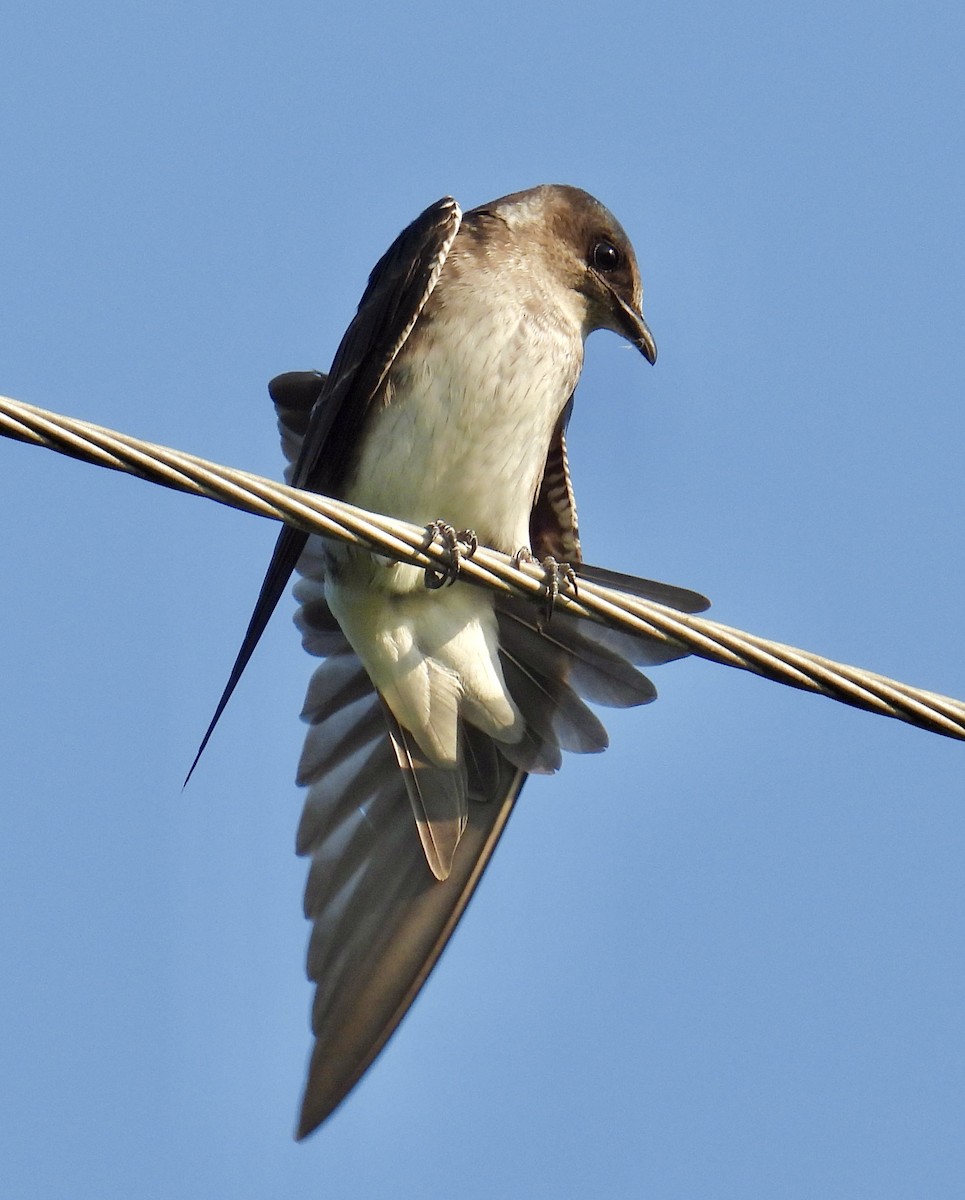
{"type": "Point", "coordinates": [555, 575]}
{"type": "Point", "coordinates": [461, 544]}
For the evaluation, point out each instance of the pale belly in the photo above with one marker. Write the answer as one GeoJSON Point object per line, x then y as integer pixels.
{"type": "Point", "coordinates": [464, 437]}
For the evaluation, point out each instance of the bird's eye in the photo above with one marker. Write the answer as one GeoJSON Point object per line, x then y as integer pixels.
{"type": "Point", "coordinates": [605, 256]}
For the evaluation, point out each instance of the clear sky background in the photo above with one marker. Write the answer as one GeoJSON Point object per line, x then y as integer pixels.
{"type": "Point", "coordinates": [725, 959]}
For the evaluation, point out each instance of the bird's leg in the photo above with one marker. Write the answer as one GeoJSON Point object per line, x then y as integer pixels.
{"type": "Point", "coordinates": [555, 573]}
{"type": "Point", "coordinates": [460, 544]}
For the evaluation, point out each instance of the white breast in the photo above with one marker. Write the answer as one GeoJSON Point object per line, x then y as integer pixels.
{"type": "Point", "coordinates": [471, 407]}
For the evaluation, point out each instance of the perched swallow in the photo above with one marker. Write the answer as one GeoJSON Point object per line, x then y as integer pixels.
{"type": "Point", "coordinates": [447, 400]}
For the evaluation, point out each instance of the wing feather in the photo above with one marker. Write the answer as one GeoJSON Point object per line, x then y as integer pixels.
{"type": "Point", "coordinates": [398, 288]}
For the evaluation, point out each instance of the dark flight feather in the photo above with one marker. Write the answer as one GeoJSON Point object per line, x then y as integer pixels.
{"type": "Point", "coordinates": [381, 917]}
{"type": "Point", "coordinates": [398, 288]}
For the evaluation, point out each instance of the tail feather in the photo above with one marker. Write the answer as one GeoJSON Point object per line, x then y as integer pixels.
{"type": "Point", "coordinates": [439, 797]}
{"type": "Point", "coordinates": [551, 708]}
{"type": "Point", "coordinates": [596, 672]}
{"type": "Point", "coordinates": [680, 598]}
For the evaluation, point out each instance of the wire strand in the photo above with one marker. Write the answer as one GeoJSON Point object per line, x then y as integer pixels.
{"type": "Point", "coordinates": [397, 539]}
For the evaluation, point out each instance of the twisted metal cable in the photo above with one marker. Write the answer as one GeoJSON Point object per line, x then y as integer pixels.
{"type": "Point", "coordinates": [398, 539]}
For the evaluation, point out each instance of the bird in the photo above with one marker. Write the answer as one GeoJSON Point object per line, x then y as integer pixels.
{"type": "Point", "coordinates": [446, 405]}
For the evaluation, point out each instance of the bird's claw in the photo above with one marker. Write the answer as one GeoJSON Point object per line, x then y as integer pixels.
{"type": "Point", "coordinates": [460, 544]}
{"type": "Point", "coordinates": [555, 574]}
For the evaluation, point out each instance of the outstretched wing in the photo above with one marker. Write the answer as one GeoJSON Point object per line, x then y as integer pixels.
{"type": "Point", "coordinates": [380, 917]}
{"type": "Point", "coordinates": [398, 288]}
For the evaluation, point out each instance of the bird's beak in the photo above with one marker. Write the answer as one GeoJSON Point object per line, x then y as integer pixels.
{"type": "Point", "coordinates": [643, 340]}
{"type": "Point", "coordinates": [637, 331]}
{"type": "Point", "coordinates": [632, 325]}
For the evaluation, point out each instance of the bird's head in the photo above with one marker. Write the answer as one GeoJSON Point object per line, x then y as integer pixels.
{"type": "Point", "coordinates": [585, 247]}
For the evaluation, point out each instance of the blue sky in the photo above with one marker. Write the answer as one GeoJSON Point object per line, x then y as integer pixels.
{"type": "Point", "coordinates": [725, 959]}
